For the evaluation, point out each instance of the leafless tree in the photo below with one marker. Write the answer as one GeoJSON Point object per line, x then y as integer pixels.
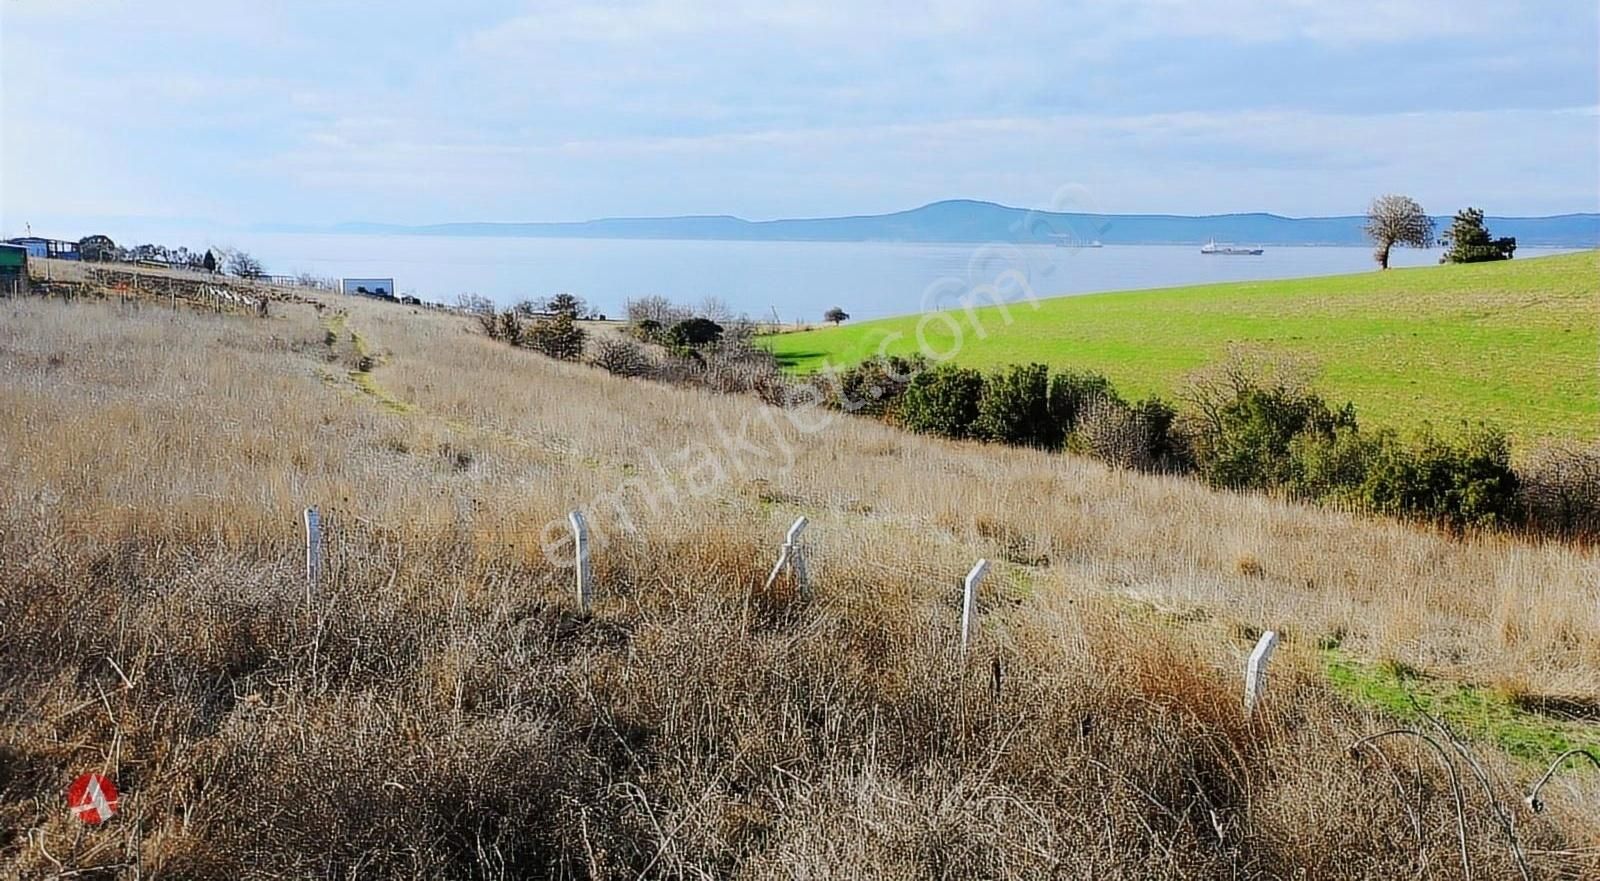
{"type": "Point", "coordinates": [716, 309]}
{"type": "Point", "coordinates": [1397, 220]}
{"type": "Point", "coordinates": [656, 308]}
{"type": "Point", "coordinates": [243, 265]}
{"type": "Point", "coordinates": [477, 304]}
{"type": "Point", "coordinates": [622, 357]}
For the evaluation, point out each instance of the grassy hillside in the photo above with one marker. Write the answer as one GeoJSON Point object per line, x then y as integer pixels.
{"type": "Point", "coordinates": [434, 706]}
{"type": "Point", "coordinates": [1515, 343]}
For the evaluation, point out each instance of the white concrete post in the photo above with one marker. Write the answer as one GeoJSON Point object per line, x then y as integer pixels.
{"type": "Point", "coordinates": [1255, 672]}
{"type": "Point", "coordinates": [580, 549]}
{"type": "Point", "coordinates": [791, 557]}
{"type": "Point", "coordinates": [797, 557]}
{"type": "Point", "coordinates": [313, 548]}
{"type": "Point", "coordinates": [969, 603]}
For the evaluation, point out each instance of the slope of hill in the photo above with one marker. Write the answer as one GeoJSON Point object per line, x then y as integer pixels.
{"type": "Point", "coordinates": [963, 220]}
{"type": "Point", "coordinates": [432, 704]}
{"type": "Point", "coordinates": [1513, 342]}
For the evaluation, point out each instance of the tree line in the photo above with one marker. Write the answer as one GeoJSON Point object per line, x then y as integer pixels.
{"type": "Point", "coordinates": [102, 249]}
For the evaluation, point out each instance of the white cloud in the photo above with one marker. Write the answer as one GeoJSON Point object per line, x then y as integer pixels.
{"type": "Point", "coordinates": [1239, 161]}
{"type": "Point", "coordinates": [325, 111]}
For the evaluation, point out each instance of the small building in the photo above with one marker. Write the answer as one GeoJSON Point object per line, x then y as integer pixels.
{"type": "Point", "coordinates": [382, 288]}
{"type": "Point", "coordinates": [13, 269]}
{"type": "Point", "coordinates": [54, 249]}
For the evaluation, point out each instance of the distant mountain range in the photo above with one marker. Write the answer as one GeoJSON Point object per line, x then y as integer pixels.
{"type": "Point", "coordinates": [962, 220]}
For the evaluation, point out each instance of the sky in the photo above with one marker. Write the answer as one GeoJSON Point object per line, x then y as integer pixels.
{"type": "Point", "coordinates": [291, 112]}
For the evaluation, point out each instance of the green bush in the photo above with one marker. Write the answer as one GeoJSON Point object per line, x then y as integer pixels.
{"type": "Point", "coordinates": [511, 329]}
{"type": "Point", "coordinates": [693, 333]}
{"type": "Point", "coordinates": [876, 386]}
{"type": "Point", "coordinates": [1015, 408]}
{"type": "Point", "coordinates": [648, 330]}
{"type": "Point", "coordinates": [1332, 466]}
{"type": "Point", "coordinates": [1071, 391]}
{"type": "Point", "coordinates": [1461, 481]}
{"type": "Point", "coordinates": [1166, 448]}
{"type": "Point", "coordinates": [943, 401]}
{"type": "Point", "coordinates": [557, 337]}
{"type": "Point", "coordinates": [1247, 445]}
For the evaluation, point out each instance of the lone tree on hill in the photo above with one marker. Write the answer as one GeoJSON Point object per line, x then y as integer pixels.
{"type": "Point", "coordinates": [1467, 240]}
{"type": "Point", "coordinates": [1397, 220]}
{"type": "Point", "coordinates": [835, 315]}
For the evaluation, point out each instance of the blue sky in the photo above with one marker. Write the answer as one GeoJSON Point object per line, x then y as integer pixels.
{"type": "Point", "coordinates": [329, 111]}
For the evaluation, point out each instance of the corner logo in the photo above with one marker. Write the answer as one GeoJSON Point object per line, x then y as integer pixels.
{"type": "Point", "coordinates": [92, 798]}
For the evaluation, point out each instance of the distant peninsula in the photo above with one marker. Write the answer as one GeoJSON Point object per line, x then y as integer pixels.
{"type": "Point", "coordinates": [964, 220]}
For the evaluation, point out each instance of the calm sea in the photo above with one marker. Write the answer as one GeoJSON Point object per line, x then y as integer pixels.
{"type": "Point", "coordinates": [797, 279]}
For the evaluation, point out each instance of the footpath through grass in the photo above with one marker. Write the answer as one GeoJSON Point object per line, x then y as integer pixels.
{"type": "Point", "coordinates": [1513, 343]}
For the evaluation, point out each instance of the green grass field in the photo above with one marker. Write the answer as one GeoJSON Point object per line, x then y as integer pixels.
{"type": "Point", "coordinates": [1515, 344]}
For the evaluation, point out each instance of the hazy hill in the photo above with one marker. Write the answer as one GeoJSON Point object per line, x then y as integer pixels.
{"type": "Point", "coordinates": [962, 220]}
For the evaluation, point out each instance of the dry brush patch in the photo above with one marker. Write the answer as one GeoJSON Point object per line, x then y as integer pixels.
{"type": "Point", "coordinates": [437, 710]}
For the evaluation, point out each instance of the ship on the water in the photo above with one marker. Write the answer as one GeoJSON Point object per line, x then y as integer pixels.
{"type": "Point", "coordinates": [1212, 247]}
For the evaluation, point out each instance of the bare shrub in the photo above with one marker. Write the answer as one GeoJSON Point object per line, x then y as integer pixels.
{"type": "Point", "coordinates": [741, 368]}
{"type": "Point", "coordinates": [476, 304]}
{"type": "Point", "coordinates": [622, 357]}
{"type": "Point", "coordinates": [658, 309]}
{"type": "Point", "coordinates": [1560, 489]}
{"type": "Point", "coordinates": [1109, 431]}
{"type": "Point", "coordinates": [681, 369]}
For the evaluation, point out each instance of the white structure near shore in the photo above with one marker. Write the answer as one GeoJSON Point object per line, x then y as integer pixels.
{"type": "Point", "coordinates": [368, 287]}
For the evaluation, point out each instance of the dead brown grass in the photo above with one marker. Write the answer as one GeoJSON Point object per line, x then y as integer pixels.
{"type": "Point", "coordinates": [437, 710]}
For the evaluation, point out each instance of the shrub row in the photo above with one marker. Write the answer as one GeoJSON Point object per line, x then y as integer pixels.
{"type": "Point", "coordinates": [1022, 405]}
{"type": "Point", "coordinates": [557, 336]}
{"type": "Point", "coordinates": [1246, 427]}
{"type": "Point", "coordinates": [1249, 431]}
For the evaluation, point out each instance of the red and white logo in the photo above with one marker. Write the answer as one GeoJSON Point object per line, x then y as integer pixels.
{"type": "Point", "coordinates": [92, 798]}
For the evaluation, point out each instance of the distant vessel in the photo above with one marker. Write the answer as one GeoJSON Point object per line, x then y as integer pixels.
{"type": "Point", "coordinates": [1067, 240]}
{"type": "Point", "coordinates": [1212, 247]}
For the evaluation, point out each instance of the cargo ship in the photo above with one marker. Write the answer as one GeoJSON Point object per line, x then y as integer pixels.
{"type": "Point", "coordinates": [1212, 247]}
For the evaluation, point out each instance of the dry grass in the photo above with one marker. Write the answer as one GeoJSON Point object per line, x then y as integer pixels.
{"type": "Point", "coordinates": [436, 710]}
